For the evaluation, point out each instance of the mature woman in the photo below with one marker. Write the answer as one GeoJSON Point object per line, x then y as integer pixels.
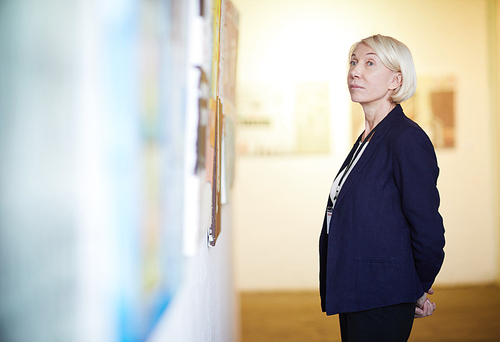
{"type": "Point", "coordinates": [382, 241]}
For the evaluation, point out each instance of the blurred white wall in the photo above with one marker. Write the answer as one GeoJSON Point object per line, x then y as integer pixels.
{"type": "Point", "coordinates": [279, 201]}
{"type": "Point", "coordinates": [496, 90]}
{"type": "Point", "coordinates": [206, 307]}
{"type": "Point", "coordinates": [92, 137]}
{"type": "Point", "coordinates": [38, 245]}
{"type": "Point", "coordinates": [494, 41]}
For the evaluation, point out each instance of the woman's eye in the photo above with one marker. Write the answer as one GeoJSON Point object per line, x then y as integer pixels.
{"type": "Point", "coordinates": [353, 63]}
{"type": "Point", "coordinates": [370, 63]}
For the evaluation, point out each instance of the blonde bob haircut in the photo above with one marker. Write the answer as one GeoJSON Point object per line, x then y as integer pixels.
{"type": "Point", "coordinates": [396, 57]}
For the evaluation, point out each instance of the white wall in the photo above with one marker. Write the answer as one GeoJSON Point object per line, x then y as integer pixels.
{"type": "Point", "coordinates": [279, 201]}
{"type": "Point", "coordinates": [494, 56]}
{"type": "Point", "coordinates": [496, 90]}
{"type": "Point", "coordinates": [206, 307]}
{"type": "Point", "coordinates": [75, 178]}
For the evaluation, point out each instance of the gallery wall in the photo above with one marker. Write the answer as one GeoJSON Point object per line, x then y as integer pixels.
{"type": "Point", "coordinates": [496, 90]}
{"type": "Point", "coordinates": [206, 307]}
{"type": "Point", "coordinates": [114, 170]}
{"type": "Point", "coordinates": [280, 194]}
{"type": "Point", "coordinates": [494, 11]}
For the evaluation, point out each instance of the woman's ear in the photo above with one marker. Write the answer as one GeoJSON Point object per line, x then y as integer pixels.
{"type": "Point", "coordinates": [396, 81]}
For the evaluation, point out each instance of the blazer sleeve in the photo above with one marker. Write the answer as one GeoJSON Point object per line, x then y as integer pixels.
{"type": "Point", "coordinates": [416, 172]}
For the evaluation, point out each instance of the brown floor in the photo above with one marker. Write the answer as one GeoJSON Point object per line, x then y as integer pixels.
{"type": "Point", "coordinates": [463, 315]}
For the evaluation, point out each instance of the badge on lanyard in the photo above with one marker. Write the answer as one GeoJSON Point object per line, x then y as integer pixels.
{"type": "Point", "coordinates": [329, 211]}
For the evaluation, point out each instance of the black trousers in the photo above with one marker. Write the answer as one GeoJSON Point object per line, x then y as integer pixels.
{"type": "Point", "coordinates": [387, 324]}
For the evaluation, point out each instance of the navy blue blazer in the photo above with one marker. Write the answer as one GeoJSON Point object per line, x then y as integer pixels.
{"type": "Point", "coordinates": [386, 236]}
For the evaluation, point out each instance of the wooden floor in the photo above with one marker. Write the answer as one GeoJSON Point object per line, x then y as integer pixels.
{"type": "Point", "coordinates": [463, 315]}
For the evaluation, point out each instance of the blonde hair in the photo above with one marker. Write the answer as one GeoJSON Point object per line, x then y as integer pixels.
{"type": "Point", "coordinates": [396, 57]}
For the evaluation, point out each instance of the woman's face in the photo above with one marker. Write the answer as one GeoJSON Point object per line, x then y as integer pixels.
{"type": "Point", "coordinates": [369, 80]}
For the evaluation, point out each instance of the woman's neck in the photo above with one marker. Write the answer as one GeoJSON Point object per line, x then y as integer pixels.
{"type": "Point", "coordinates": [375, 114]}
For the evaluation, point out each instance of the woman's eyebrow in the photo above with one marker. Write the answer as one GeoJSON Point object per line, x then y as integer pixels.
{"type": "Point", "coordinates": [369, 53]}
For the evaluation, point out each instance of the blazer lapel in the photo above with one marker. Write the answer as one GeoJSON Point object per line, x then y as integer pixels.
{"type": "Point", "coordinates": [350, 155]}
{"type": "Point", "coordinates": [370, 148]}
{"type": "Point", "coordinates": [357, 168]}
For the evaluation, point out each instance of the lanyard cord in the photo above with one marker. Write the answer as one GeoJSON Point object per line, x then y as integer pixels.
{"type": "Point", "coordinates": [358, 150]}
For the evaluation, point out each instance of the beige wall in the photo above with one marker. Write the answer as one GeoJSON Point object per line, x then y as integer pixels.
{"type": "Point", "coordinates": [279, 201]}
{"type": "Point", "coordinates": [497, 133]}
{"type": "Point", "coordinates": [494, 9]}
{"type": "Point", "coordinates": [494, 60]}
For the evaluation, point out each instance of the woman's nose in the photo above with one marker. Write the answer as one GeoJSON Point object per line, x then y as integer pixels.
{"type": "Point", "coordinates": [355, 71]}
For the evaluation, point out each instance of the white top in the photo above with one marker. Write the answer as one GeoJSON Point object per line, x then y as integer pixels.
{"type": "Point", "coordinates": [335, 184]}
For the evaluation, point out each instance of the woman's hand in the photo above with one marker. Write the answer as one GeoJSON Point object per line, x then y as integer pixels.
{"type": "Point", "coordinates": [424, 306]}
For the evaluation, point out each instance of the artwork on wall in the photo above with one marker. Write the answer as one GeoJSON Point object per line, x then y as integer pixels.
{"type": "Point", "coordinates": [312, 116]}
{"type": "Point", "coordinates": [228, 60]}
{"type": "Point", "coordinates": [279, 120]}
{"type": "Point", "coordinates": [155, 280]}
{"type": "Point", "coordinates": [432, 107]}
{"type": "Point", "coordinates": [145, 158]}
{"type": "Point", "coordinates": [209, 116]}
{"type": "Point", "coordinates": [215, 225]}
{"type": "Point", "coordinates": [220, 155]}
{"type": "Point", "coordinates": [155, 85]}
